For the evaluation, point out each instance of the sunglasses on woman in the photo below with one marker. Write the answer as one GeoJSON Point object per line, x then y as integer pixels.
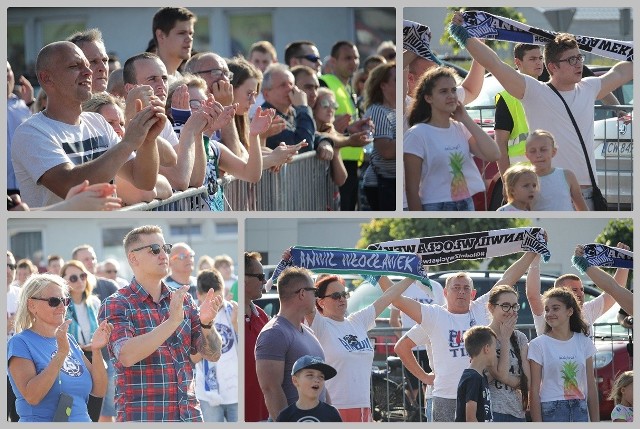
{"type": "Point", "coordinates": [155, 248]}
{"type": "Point", "coordinates": [259, 276]}
{"type": "Point", "coordinates": [337, 295]}
{"type": "Point", "coordinates": [54, 301]}
{"type": "Point", "coordinates": [74, 278]}
{"type": "Point", "coordinates": [327, 103]}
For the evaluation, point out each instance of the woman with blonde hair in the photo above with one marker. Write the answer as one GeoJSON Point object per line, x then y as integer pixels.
{"type": "Point", "coordinates": [47, 369]}
{"type": "Point", "coordinates": [83, 313]}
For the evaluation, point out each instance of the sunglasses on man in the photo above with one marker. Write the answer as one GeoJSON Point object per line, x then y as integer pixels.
{"type": "Point", "coordinates": [259, 276]}
{"type": "Point", "coordinates": [310, 57]}
{"type": "Point", "coordinates": [155, 248]}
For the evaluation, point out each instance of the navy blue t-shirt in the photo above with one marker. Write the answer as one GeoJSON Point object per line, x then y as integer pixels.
{"type": "Point", "coordinates": [473, 386]}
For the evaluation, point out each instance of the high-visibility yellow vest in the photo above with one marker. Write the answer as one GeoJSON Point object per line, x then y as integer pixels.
{"type": "Point", "coordinates": [345, 105]}
{"type": "Point", "coordinates": [518, 137]}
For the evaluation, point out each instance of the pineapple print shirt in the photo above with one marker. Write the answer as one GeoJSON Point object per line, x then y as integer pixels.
{"type": "Point", "coordinates": [563, 366]}
{"type": "Point", "coordinates": [449, 172]}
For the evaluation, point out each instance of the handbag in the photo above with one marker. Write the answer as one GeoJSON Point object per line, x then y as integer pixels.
{"type": "Point", "coordinates": [599, 201]}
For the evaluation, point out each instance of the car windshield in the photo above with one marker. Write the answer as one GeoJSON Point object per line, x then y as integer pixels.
{"type": "Point", "coordinates": [610, 326]}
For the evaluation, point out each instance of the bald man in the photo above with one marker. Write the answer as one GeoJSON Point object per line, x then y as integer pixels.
{"type": "Point", "coordinates": [62, 146]}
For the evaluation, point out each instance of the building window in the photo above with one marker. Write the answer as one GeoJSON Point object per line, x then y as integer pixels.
{"type": "Point", "coordinates": [26, 245]}
{"type": "Point", "coordinates": [226, 228]}
{"type": "Point", "coordinates": [246, 29]}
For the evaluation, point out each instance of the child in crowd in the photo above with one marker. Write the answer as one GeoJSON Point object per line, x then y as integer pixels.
{"type": "Point", "coordinates": [474, 400]}
{"type": "Point", "coordinates": [440, 173]}
{"type": "Point", "coordinates": [622, 396]}
{"type": "Point", "coordinates": [559, 188]}
{"type": "Point", "coordinates": [522, 188]}
{"type": "Point", "coordinates": [563, 386]}
{"type": "Point", "coordinates": [308, 376]}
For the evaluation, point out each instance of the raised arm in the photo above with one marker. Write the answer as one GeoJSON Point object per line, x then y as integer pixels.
{"type": "Point", "coordinates": [510, 79]}
{"type": "Point", "coordinates": [391, 294]}
{"type": "Point", "coordinates": [516, 270]}
{"type": "Point", "coordinates": [402, 303]}
{"type": "Point", "coordinates": [472, 83]}
{"type": "Point", "coordinates": [533, 287]}
{"type": "Point", "coordinates": [619, 74]}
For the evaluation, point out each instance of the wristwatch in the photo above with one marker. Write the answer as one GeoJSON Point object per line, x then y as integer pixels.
{"type": "Point", "coordinates": [209, 326]}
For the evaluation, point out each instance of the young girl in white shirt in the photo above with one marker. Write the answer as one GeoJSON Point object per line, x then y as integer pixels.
{"type": "Point", "coordinates": [522, 188]}
{"type": "Point", "coordinates": [563, 386]}
{"type": "Point", "coordinates": [622, 396]}
{"type": "Point", "coordinates": [440, 173]}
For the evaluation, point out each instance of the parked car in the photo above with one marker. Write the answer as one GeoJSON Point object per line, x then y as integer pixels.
{"type": "Point", "coordinates": [614, 356]}
{"type": "Point", "coordinates": [613, 146]}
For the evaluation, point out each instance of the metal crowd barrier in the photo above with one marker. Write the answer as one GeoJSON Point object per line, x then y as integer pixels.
{"type": "Point", "coordinates": [303, 184]}
{"type": "Point", "coordinates": [613, 152]}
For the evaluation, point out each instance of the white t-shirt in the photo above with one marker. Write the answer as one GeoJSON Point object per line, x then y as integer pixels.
{"type": "Point", "coordinates": [13, 296]}
{"type": "Point", "coordinates": [449, 172]}
{"type": "Point", "coordinates": [169, 134]}
{"type": "Point", "coordinates": [446, 332]}
{"type": "Point", "coordinates": [423, 295]}
{"type": "Point", "coordinates": [591, 310]}
{"type": "Point", "coordinates": [40, 143]}
{"type": "Point", "coordinates": [349, 350]}
{"type": "Point", "coordinates": [217, 382]}
{"type": "Point", "coordinates": [564, 366]}
{"type": "Point", "coordinates": [545, 111]}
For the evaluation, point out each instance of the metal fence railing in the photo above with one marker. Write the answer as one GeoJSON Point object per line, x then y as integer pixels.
{"type": "Point", "coordinates": [613, 152]}
{"type": "Point", "coordinates": [303, 184]}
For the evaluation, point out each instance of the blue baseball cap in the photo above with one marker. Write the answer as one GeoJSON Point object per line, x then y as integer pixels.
{"type": "Point", "coordinates": [314, 362]}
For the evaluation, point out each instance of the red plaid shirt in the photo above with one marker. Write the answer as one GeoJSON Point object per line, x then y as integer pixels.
{"type": "Point", "coordinates": [160, 387]}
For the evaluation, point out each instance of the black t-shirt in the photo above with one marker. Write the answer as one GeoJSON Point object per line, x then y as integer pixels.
{"type": "Point", "coordinates": [322, 413]}
{"type": "Point", "coordinates": [503, 119]}
{"type": "Point", "coordinates": [473, 386]}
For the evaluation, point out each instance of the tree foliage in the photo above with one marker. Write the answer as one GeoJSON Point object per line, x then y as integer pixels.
{"type": "Point", "coordinates": [618, 231]}
{"type": "Point", "coordinates": [507, 12]}
{"type": "Point", "coordinates": [397, 229]}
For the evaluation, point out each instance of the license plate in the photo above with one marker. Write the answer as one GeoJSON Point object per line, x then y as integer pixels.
{"type": "Point", "coordinates": [616, 149]}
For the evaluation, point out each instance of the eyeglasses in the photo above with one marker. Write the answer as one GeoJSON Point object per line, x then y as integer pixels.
{"type": "Point", "coordinates": [183, 256]}
{"type": "Point", "coordinates": [195, 104]}
{"type": "Point", "coordinates": [326, 103]}
{"type": "Point", "coordinates": [74, 278]}
{"type": "Point", "coordinates": [259, 276]}
{"type": "Point", "coordinates": [54, 301]}
{"type": "Point", "coordinates": [11, 266]}
{"type": "Point", "coordinates": [155, 248]}
{"type": "Point", "coordinates": [307, 289]}
{"type": "Point", "coordinates": [337, 295]}
{"type": "Point", "coordinates": [217, 73]}
{"type": "Point", "coordinates": [310, 57]}
{"type": "Point", "coordinates": [506, 307]}
{"type": "Point", "coordinates": [573, 60]}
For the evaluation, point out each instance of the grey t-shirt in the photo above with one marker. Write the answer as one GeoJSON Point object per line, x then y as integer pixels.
{"type": "Point", "coordinates": [505, 399]}
{"type": "Point", "coordinates": [281, 341]}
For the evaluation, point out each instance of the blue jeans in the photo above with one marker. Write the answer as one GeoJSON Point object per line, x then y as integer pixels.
{"type": "Point", "coordinates": [428, 411]}
{"type": "Point", "coordinates": [500, 417]}
{"type": "Point", "coordinates": [568, 410]}
{"type": "Point", "coordinates": [219, 413]}
{"type": "Point", "coordinates": [450, 206]}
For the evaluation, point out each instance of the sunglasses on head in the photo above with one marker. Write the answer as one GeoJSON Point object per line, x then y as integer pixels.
{"type": "Point", "coordinates": [337, 295]}
{"type": "Point", "coordinates": [259, 276]}
{"type": "Point", "coordinates": [310, 57]}
{"type": "Point", "coordinates": [74, 278]}
{"type": "Point", "coordinates": [54, 301]}
{"type": "Point", "coordinates": [155, 248]}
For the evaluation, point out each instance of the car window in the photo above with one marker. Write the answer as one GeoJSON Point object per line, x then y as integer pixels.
{"type": "Point", "coordinates": [612, 327]}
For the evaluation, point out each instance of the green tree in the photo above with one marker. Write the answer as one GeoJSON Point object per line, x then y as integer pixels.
{"type": "Point", "coordinates": [618, 231]}
{"type": "Point", "coordinates": [507, 12]}
{"type": "Point", "coordinates": [397, 229]}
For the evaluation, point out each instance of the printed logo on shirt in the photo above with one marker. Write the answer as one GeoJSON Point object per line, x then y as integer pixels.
{"type": "Point", "coordinates": [228, 338]}
{"type": "Point", "coordinates": [309, 419]}
{"type": "Point", "coordinates": [456, 343]}
{"type": "Point", "coordinates": [71, 366]}
{"type": "Point", "coordinates": [351, 343]}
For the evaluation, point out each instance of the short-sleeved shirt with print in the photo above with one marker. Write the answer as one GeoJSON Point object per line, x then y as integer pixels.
{"type": "Point", "coordinates": [161, 386]}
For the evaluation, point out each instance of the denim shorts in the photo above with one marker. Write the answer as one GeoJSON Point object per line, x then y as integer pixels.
{"type": "Point", "coordinates": [450, 206]}
{"type": "Point", "coordinates": [568, 410]}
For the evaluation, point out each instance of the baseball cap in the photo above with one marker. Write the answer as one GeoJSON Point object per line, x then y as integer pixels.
{"type": "Point", "coordinates": [314, 362]}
